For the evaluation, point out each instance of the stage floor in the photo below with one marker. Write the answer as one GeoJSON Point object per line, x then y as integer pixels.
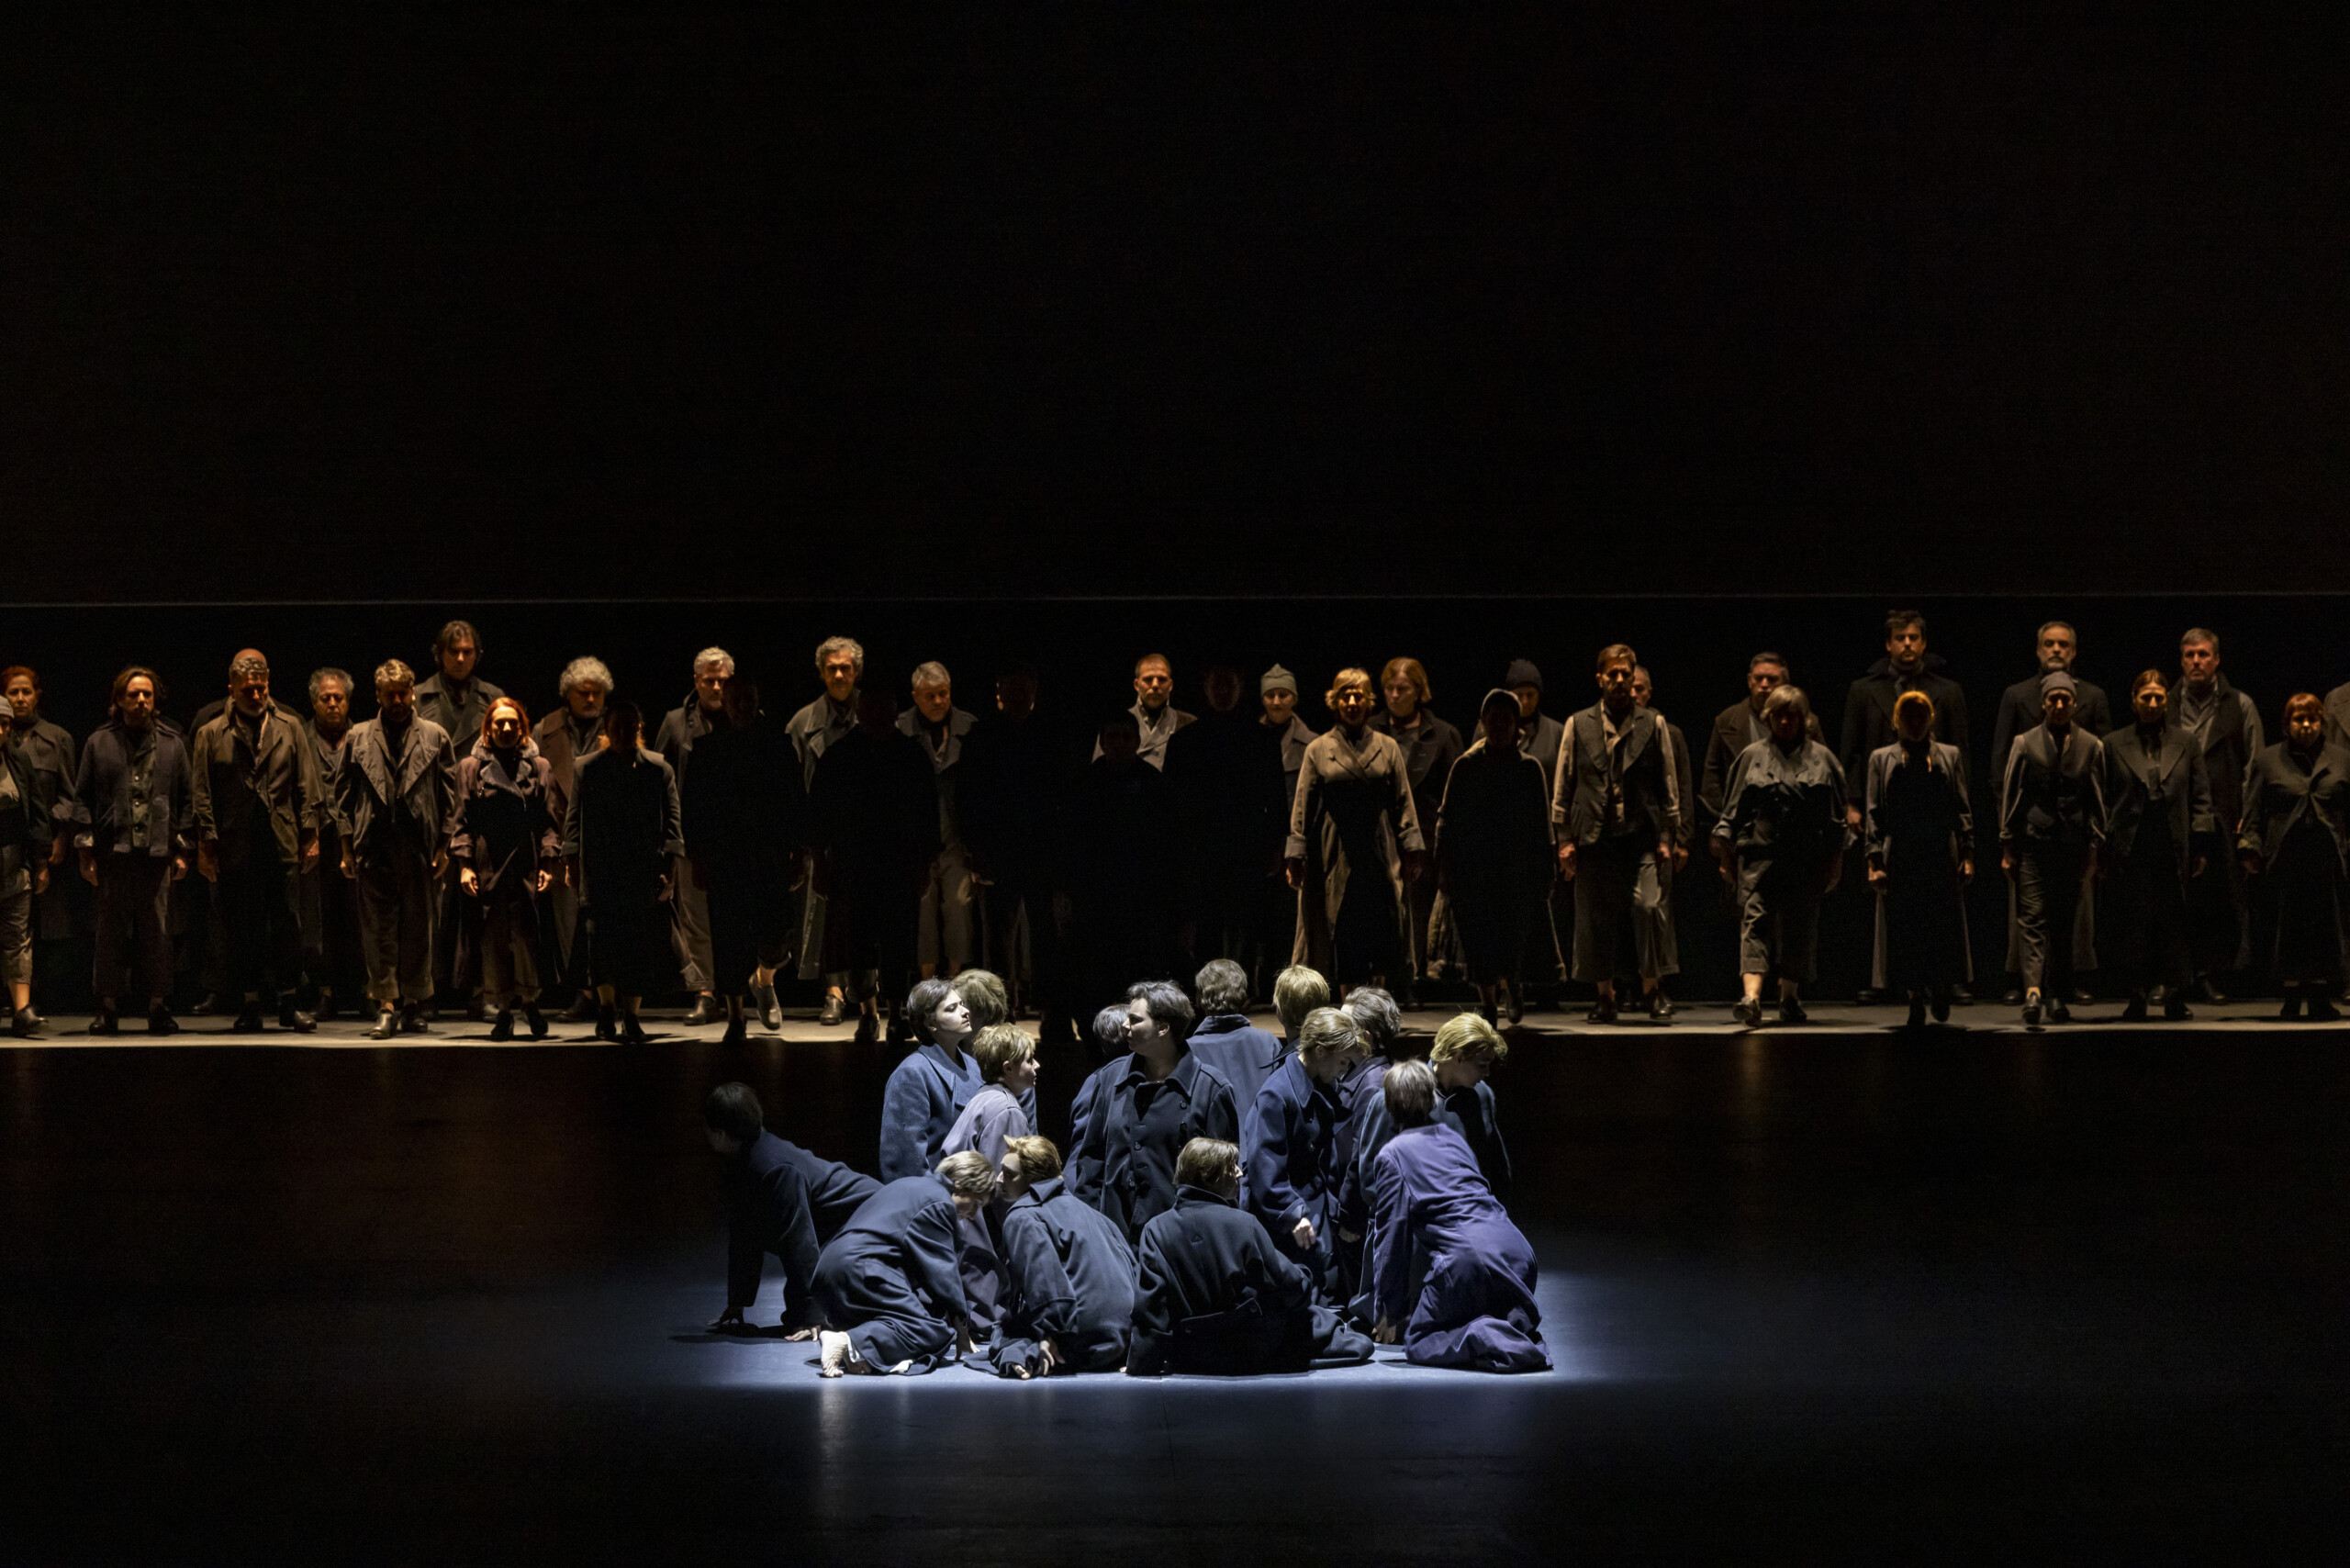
{"type": "Point", "coordinates": [1818, 1291]}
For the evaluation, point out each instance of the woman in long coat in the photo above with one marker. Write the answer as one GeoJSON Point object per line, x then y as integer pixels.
{"type": "Point", "coordinates": [618, 842]}
{"type": "Point", "coordinates": [873, 818]}
{"type": "Point", "coordinates": [743, 811]}
{"type": "Point", "coordinates": [1781, 844]}
{"type": "Point", "coordinates": [2294, 837]}
{"type": "Point", "coordinates": [1492, 854]}
{"type": "Point", "coordinates": [2158, 826]}
{"type": "Point", "coordinates": [1354, 838]}
{"type": "Point", "coordinates": [506, 846]}
{"type": "Point", "coordinates": [1921, 857]}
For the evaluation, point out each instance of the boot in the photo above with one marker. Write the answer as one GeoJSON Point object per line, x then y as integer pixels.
{"type": "Point", "coordinates": [2135, 1013]}
{"type": "Point", "coordinates": [2291, 1010]}
{"type": "Point", "coordinates": [106, 1021]}
{"type": "Point", "coordinates": [535, 1019]}
{"type": "Point", "coordinates": [248, 1020]}
{"type": "Point", "coordinates": [325, 1012]}
{"type": "Point", "coordinates": [25, 1025]}
{"type": "Point", "coordinates": [1603, 1011]}
{"type": "Point", "coordinates": [2059, 1010]}
{"type": "Point", "coordinates": [387, 1023]}
{"type": "Point", "coordinates": [607, 1026]}
{"type": "Point", "coordinates": [1516, 1005]}
{"type": "Point", "coordinates": [1791, 1010]}
{"type": "Point", "coordinates": [582, 1009]}
{"type": "Point", "coordinates": [2031, 1010]}
{"type": "Point", "coordinates": [161, 1022]}
{"type": "Point", "coordinates": [633, 1031]}
{"type": "Point", "coordinates": [301, 1023]}
{"type": "Point", "coordinates": [412, 1020]}
{"type": "Point", "coordinates": [205, 1005]}
{"type": "Point", "coordinates": [868, 1029]}
{"type": "Point", "coordinates": [1942, 1006]}
{"type": "Point", "coordinates": [1917, 1013]}
{"type": "Point", "coordinates": [770, 1016]}
{"type": "Point", "coordinates": [705, 1011]}
{"type": "Point", "coordinates": [2321, 1006]}
{"type": "Point", "coordinates": [501, 1028]}
{"type": "Point", "coordinates": [2174, 1006]}
{"type": "Point", "coordinates": [1748, 1011]}
{"type": "Point", "coordinates": [1660, 1006]}
{"type": "Point", "coordinates": [835, 1010]}
{"type": "Point", "coordinates": [738, 1032]}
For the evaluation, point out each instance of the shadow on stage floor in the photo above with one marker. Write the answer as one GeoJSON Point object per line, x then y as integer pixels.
{"type": "Point", "coordinates": [1821, 1290]}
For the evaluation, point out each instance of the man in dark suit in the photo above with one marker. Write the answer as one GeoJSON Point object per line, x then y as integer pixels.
{"type": "Point", "coordinates": [2225, 724]}
{"type": "Point", "coordinates": [2052, 823]}
{"type": "Point", "coordinates": [2056, 646]}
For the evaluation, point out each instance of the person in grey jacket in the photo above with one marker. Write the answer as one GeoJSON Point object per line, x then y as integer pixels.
{"type": "Point", "coordinates": [133, 812]}
{"type": "Point", "coordinates": [396, 799]}
{"type": "Point", "coordinates": [1616, 812]}
{"type": "Point", "coordinates": [26, 828]}
{"type": "Point", "coordinates": [1781, 841]}
{"type": "Point", "coordinates": [2052, 821]}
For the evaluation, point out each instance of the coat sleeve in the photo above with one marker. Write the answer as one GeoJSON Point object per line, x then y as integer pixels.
{"type": "Point", "coordinates": [905, 1124]}
{"type": "Point", "coordinates": [1965, 812]}
{"type": "Point", "coordinates": [1304, 808]}
{"type": "Point", "coordinates": [208, 827]}
{"type": "Point", "coordinates": [2251, 832]}
{"type": "Point", "coordinates": [1155, 1308]}
{"type": "Point", "coordinates": [1725, 826]}
{"type": "Point", "coordinates": [2202, 822]}
{"type": "Point", "coordinates": [1366, 1137]}
{"type": "Point", "coordinates": [2003, 736]}
{"type": "Point", "coordinates": [1087, 1149]}
{"type": "Point", "coordinates": [2011, 802]}
{"type": "Point", "coordinates": [1048, 1297]}
{"type": "Point", "coordinates": [2097, 796]}
{"type": "Point", "coordinates": [548, 833]}
{"type": "Point", "coordinates": [1871, 816]}
{"type": "Point", "coordinates": [461, 835]}
{"type": "Point", "coordinates": [184, 805]}
{"type": "Point", "coordinates": [790, 1234]}
{"type": "Point", "coordinates": [673, 832]}
{"type": "Point", "coordinates": [1408, 836]}
{"type": "Point", "coordinates": [570, 826]}
{"type": "Point", "coordinates": [1387, 1254]}
{"type": "Point", "coordinates": [1562, 785]}
{"type": "Point", "coordinates": [445, 786]}
{"type": "Point", "coordinates": [1264, 1161]}
{"type": "Point", "coordinates": [745, 1241]}
{"type": "Point", "coordinates": [934, 1258]}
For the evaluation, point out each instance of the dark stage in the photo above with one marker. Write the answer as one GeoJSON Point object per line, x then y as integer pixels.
{"type": "Point", "coordinates": [1818, 1291]}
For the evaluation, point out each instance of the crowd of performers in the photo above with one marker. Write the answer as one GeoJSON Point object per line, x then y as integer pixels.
{"type": "Point", "coordinates": [451, 851]}
{"type": "Point", "coordinates": [1227, 1202]}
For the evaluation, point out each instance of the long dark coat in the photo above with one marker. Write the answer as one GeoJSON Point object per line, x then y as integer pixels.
{"type": "Point", "coordinates": [1920, 822]}
{"type": "Point", "coordinates": [783, 1200]}
{"type": "Point", "coordinates": [1868, 712]}
{"type": "Point", "coordinates": [1212, 1296]}
{"type": "Point", "coordinates": [1237, 1051]}
{"type": "Point", "coordinates": [890, 1279]}
{"type": "Point", "coordinates": [1288, 1144]}
{"type": "Point", "coordinates": [48, 751]}
{"type": "Point", "coordinates": [422, 775]}
{"type": "Point", "coordinates": [2296, 817]}
{"type": "Point", "coordinates": [873, 815]}
{"type": "Point", "coordinates": [1474, 1305]}
{"type": "Point", "coordinates": [1352, 822]}
{"type": "Point", "coordinates": [624, 832]}
{"type": "Point", "coordinates": [1123, 1163]}
{"type": "Point", "coordinates": [1072, 1279]}
{"type": "Point", "coordinates": [744, 816]}
{"type": "Point", "coordinates": [1493, 852]}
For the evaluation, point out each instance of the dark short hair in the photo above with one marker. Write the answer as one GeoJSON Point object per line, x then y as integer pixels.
{"type": "Point", "coordinates": [922, 1003]}
{"type": "Point", "coordinates": [1376, 1014]}
{"type": "Point", "coordinates": [122, 684]}
{"type": "Point", "coordinates": [1222, 986]}
{"type": "Point", "coordinates": [1204, 1161]}
{"type": "Point", "coordinates": [1410, 1088]}
{"type": "Point", "coordinates": [454, 633]}
{"type": "Point", "coordinates": [1164, 1002]}
{"type": "Point", "coordinates": [1767, 657]}
{"type": "Point", "coordinates": [624, 718]}
{"type": "Point", "coordinates": [1615, 653]}
{"type": "Point", "coordinates": [1895, 620]}
{"type": "Point", "coordinates": [2147, 678]}
{"type": "Point", "coordinates": [734, 1110]}
{"type": "Point", "coordinates": [1109, 1028]}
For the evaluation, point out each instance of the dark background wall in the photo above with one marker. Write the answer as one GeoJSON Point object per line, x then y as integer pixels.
{"type": "Point", "coordinates": [1115, 300]}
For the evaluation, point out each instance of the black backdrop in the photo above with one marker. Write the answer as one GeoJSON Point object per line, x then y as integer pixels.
{"type": "Point", "coordinates": [1125, 300]}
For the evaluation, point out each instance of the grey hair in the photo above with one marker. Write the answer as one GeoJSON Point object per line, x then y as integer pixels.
{"type": "Point", "coordinates": [1376, 1014]}
{"type": "Point", "coordinates": [1222, 986]}
{"type": "Point", "coordinates": [1788, 696]}
{"type": "Point", "coordinates": [849, 646]}
{"type": "Point", "coordinates": [321, 675]}
{"type": "Point", "coordinates": [581, 671]}
{"type": "Point", "coordinates": [1327, 1030]}
{"type": "Point", "coordinates": [932, 673]}
{"type": "Point", "coordinates": [1410, 1090]}
{"type": "Point", "coordinates": [2065, 625]}
{"type": "Point", "coordinates": [718, 656]}
{"type": "Point", "coordinates": [2200, 635]}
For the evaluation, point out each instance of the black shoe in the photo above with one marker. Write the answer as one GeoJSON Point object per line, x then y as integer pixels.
{"type": "Point", "coordinates": [387, 1023]}
{"type": "Point", "coordinates": [1791, 1010]}
{"type": "Point", "coordinates": [2083, 995]}
{"type": "Point", "coordinates": [581, 1010]}
{"type": "Point", "coordinates": [1516, 1006]}
{"type": "Point", "coordinates": [325, 1012]}
{"type": "Point", "coordinates": [2135, 1012]}
{"type": "Point", "coordinates": [412, 1021]}
{"type": "Point", "coordinates": [501, 1028]}
{"type": "Point", "coordinates": [2175, 1008]}
{"type": "Point", "coordinates": [2031, 1012]}
{"type": "Point", "coordinates": [2322, 1007]}
{"type": "Point", "coordinates": [1917, 1019]}
{"type": "Point", "coordinates": [25, 1025]}
{"type": "Point", "coordinates": [104, 1023]}
{"type": "Point", "coordinates": [2059, 1011]}
{"type": "Point", "coordinates": [633, 1031]}
{"type": "Point", "coordinates": [476, 1011]}
{"type": "Point", "coordinates": [249, 1021]}
{"type": "Point", "coordinates": [1941, 1007]}
{"type": "Point", "coordinates": [704, 1011]}
{"type": "Point", "coordinates": [835, 1010]}
{"type": "Point", "coordinates": [868, 1029]}
{"type": "Point", "coordinates": [2157, 994]}
{"type": "Point", "coordinates": [771, 1014]}
{"type": "Point", "coordinates": [738, 1032]}
{"type": "Point", "coordinates": [299, 1022]}
{"type": "Point", "coordinates": [1868, 996]}
{"type": "Point", "coordinates": [205, 1005]}
{"type": "Point", "coordinates": [1960, 996]}
{"type": "Point", "coordinates": [161, 1022]}
{"type": "Point", "coordinates": [1602, 1011]}
{"type": "Point", "coordinates": [535, 1019]}
{"type": "Point", "coordinates": [1659, 1007]}
{"type": "Point", "coordinates": [2209, 994]}
{"type": "Point", "coordinates": [2012, 997]}
{"type": "Point", "coordinates": [1748, 1010]}
{"type": "Point", "coordinates": [2291, 1010]}
{"type": "Point", "coordinates": [1491, 1014]}
{"type": "Point", "coordinates": [607, 1026]}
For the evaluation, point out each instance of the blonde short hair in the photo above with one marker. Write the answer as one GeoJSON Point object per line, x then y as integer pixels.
{"type": "Point", "coordinates": [1039, 1159]}
{"type": "Point", "coordinates": [1328, 1029]}
{"type": "Point", "coordinates": [1467, 1035]}
{"type": "Point", "coordinates": [1298, 991]}
{"type": "Point", "coordinates": [968, 1174]}
{"type": "Point", "coordinates": [1001, 1046]}
{"type": "Point", "coordinates": [984, 996]}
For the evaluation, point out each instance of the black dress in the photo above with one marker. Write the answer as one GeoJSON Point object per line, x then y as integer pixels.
{"type": "Point", "coordinates": [2297, 817]}
{"type": "Point", "coordinates": [1493, 849]}
{"type": "Point", "coordinates": [624, 829]}
{"type": "Point", "coordinates": [1920, 826]}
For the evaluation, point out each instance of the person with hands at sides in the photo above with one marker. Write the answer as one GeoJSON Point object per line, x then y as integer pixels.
{"type": "Point", "coordinates": [780, 1199]}
{"type": "Point", "coordinates": [507, 849]}
{"type": "Point", "coordinates": [623, 835]}
{"type": "Point", "coordinates": [2294, 841]}
{"type": "Point", "coordinates": [1212, 1295]}
{"type": "Point", "coordinates": [1493, 857]}
{"type": "Point", "coordinates": [2052, 821]}
{"type": "Point", "coordinates": [1473, 1303]}
{"type": "Point", "coordinates": [1781, 841]}
{"type": "Point", "coordinates": [397, 796]}
{"type": "Point", "coordinates": [1920, 861]}
{"type": "Point", "coordinates": [1145, 1107]}
{"type": "Point", "coordinates": [887, 1288]}
{"type": "Point", "coordinates": [2159, 826]}
{"type": "Point", "coordinates": [743, 814]}
{"type": "Point", "coordinates": [1615, 807]}
{"type": "Point", "coordinates": [1241, 1054]}
{"type": "Point", "coordinates": [1072, 1274]}
{"type": "Point", "coordinates": [26, 827]}
{"type": "Point", "coordinates": [49, 755]}
{"type": "Point", "coordinates": [1290, 1144]}
{"type": "Point", "coordinates": [1354, 843]}
{"type": "Point", "coordinates": [133, 810]}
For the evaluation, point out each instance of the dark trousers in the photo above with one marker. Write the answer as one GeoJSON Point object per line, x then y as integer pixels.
{"type": "Point", "coordinates": [398, 910]}
{"type": "Point", "coordinates": [330, 924]}
{"type": "Point", "coordinates": [2219, 916]}
{"type": "Point", "coordinates": [134, 901]}
{"type": "Point", "coordinates": [2048, 901]}
{"type": "Point", "coordinates": [257, 903]}
{"type": "Point", "coordinates": [1619, 895]}
{"type": "Point", "coordinates": [456, 938]}
{"type": "Point", "coordinates": [1024, 943]}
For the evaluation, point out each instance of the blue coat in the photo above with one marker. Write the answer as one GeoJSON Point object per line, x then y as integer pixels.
{"type": "Point", "coordinates": [1475, 1305]}
{"type": "Point", "coordinates": [1242, 1055]}
{"type": "Point", "coordinates": [1072, 1282]}
{"type": "Point", "coordinates": [1469, 1112]}
{"type": "Point", "coordinates": [1134, 1130]}
{"type": "Point", "coordinates": [1289, 1149]}
{"type": "Point", "coordinates": [926, 1093]}
{"type": "Point", "coordinates": [890, 1279]}
{"type": "Point", "coordinates": [1212, 1296]}
{"type": "Point", "coordinates": [783, 1200]}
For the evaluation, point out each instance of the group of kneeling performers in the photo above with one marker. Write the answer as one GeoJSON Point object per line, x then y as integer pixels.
{"type": "Point", "coordinates": [1231, 1202]}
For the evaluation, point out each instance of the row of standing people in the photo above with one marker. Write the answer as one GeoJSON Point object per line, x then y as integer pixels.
{"type": "Point", "coordinates": [1230, 1201]}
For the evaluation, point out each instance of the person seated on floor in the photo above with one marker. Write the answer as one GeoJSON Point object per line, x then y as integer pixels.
{"type": "Point", "coordinates": [1466, 1048]}
{"type": "Point", "coordinates": [1297, 991]}
{"type": "Point", "coordinates": [929, 1089]}
{"type": "Point", "coordinates": [1471, 1304]}
{"type": "Point", "coordinates": [1007, 1057]}
{"type": "Point", "coordinates": [1211, 1293]}
{"type": "Point", "coordinates": [1289, 1145]}
{"type": "Point", "coordinates": [1109, 1035]}
{"type": "Point", "coordinates": [779, 1199]}
{"type": "Point", "coordinates": [1071, 1303]}
{"type": "Point", "coordinates": [1242, 1055]}
{"type": "Point", "coordinates": [889, 1286]}
{"type": "Point", "coordinates": [1145, 1107]}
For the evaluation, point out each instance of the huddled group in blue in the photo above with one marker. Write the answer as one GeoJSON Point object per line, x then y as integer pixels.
{"type": "Point", "coordinates": [450, 852]}
{"type": "Point", "coordinates": [1231, 1202]}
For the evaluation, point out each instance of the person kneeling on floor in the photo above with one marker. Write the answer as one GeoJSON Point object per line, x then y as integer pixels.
{"type": "Point", "coordinates": [890, 1287]}
{"type": "Point", "coordinates": [779, 1199]}
{"type": "Point", "coordinates": [1072, 1274]}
